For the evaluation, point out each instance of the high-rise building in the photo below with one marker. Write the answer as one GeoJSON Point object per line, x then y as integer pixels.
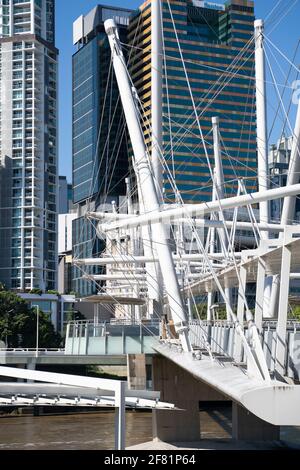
{"type": "Point", "coordinates": [216, 43]}
{"type": "Point", "coordinates": [100, 156]}
{"type": "Point", "coordinates": [28, 144]}
{"type": "Point", "coordinates": [65, 196]}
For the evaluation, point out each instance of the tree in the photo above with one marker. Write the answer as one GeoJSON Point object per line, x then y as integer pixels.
{"type": "Point", "coordinates": [18, 324]}
{"type": "Point", "coordinates": [295, 313]}
{"type": "Point", "coordinates": [200, 312]}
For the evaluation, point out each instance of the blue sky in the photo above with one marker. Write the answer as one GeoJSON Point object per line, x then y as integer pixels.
{"type": "Point", "coordinates": [285, 35]}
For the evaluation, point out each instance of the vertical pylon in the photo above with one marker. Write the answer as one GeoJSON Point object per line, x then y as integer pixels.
{"type": "Point", "coordinates": [261, 112]}
{"type": "Point", "coordinates": [147, 187]}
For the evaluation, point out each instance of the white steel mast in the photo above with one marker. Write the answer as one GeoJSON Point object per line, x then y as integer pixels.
{"type": "Point", "coordinates": [262, 144]}
{"type": "Point", "coordinates": [156, 93]}
{"type": "Point", "coordinates": [149, 191]}
{"type": "Point", "coordinates": [155, 283]}
{"type": "Point", "coordinates": [262, 133]}
{"type": "Point", "coordinates": [219, 187]}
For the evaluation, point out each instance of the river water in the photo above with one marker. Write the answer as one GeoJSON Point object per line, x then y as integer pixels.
{"type": "Point", "coordinates": [95, 431]}
{"type": "Point", "coordinates": [90, 431]}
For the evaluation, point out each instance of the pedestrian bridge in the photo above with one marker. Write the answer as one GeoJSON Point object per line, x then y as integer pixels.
{"type": "Point", "coordinates": [109, 344]}
{"type": "Point", "coordinates": [213, 343]}
{"type": "Point", "coordinates": [86, 339]}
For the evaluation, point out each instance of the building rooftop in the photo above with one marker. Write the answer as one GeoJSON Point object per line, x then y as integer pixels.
{"type": "Point", "coordinates": [209, 5]}
{"type": "Point", "coordinates": [86, 24]}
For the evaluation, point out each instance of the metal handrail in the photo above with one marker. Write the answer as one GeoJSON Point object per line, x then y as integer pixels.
{"type": "Point", "coordinates": [62, 350]}
{"type": "Point", "coordinates": [79, 323]}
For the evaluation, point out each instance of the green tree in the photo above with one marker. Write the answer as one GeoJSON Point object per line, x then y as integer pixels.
{"type": "Point", "coordinates": [200, 311]}
{"type": "Point", "coordinates": [18, 324]}
{"type": "Point", "coordinates": [295, 313]}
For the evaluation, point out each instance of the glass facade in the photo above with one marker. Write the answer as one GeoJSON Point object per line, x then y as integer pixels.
{"type": "Point", "coordinates": [86, 245]}
{"type": "Point", "coordinates": [85, 120]}
{"type": "Point", "coordinates": [210, 40]}
{"type": "Point", "coordinates": [100, 161]}
{"type": "Point", "coordinates": [100, 155]}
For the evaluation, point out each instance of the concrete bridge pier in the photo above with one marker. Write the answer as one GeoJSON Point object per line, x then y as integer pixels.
{"type": "Point", "coordinates": [181, 388]}
{"type": "Point", "coordinates": [185, 391]}
{"type": "Point", "coordinates": [136, 371]}
{"type": "Point", "coordinates": [248, 427]}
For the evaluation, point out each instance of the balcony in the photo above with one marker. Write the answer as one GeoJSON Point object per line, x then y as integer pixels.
{"type": "Point", "coordinates": [20, 10]}
{"type": "Point", "coordinates": [22, 29]}
{"type": "Point", "coordinates": [21, 20]}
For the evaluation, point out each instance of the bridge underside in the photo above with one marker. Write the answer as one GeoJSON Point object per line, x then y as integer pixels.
{"type": "Point", "coordinates": [273, 402]}
{"type": "Point", "coordinates": [23, 359]}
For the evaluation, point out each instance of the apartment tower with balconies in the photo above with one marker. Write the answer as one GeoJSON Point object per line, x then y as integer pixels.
{"type": "Point", "coordinates": [28, 144]}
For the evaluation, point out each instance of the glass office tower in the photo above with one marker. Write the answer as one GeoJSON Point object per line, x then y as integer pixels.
{"type": "Point", "coordinates": [212, 37]}
{"type": "Point", "coordinates": [100, 157]}
{"type": "Point", "coordinates": [28, 144]}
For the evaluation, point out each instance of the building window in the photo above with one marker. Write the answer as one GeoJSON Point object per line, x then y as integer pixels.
{"type": "Point", "coordinates": [17, 144]}
{"type": "Point", "coordinates": [17, 55]}
{"type": "Point", "coordinates": [17, 75]}
{"type": "Point", "coordinates": [16, 283]}
{"type": "Point", "coordinates": [17, 105]}
{"type": "Point", "coordinates": [17, 134]}
{"type": "Point", "coordinates": [17, 45]}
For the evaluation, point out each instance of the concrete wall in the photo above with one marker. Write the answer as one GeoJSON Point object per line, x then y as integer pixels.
{"type": "Point", "coordinates": [186, 392]}
{"type": "Point", "coordinates": [181, 388]}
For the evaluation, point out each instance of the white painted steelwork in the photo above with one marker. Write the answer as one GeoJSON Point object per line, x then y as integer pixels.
{"type": "Point", "coordinates": [204, 208]}
{"type": "Point", "coordinates": [148, 190]}
{"type": "Point", "coordinates": [72, 390]}
{"type": "Point", "coordinates": [261, 112]}
{"type": "Point", "coordinates": [240, 225]}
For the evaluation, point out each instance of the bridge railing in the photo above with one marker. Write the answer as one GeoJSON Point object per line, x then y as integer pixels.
{"type": "Point", "coordinates": [86, 338]}
{"type": "Point", "coordinates": [33, 350]}
{"type": "Point", "coordinates": [220, 336]}
{"type": "Point", "coordinates": [125, 337]}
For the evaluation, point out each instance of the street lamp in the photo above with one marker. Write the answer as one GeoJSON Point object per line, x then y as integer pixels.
{"type": "Point", "coordinates": [37, 329]}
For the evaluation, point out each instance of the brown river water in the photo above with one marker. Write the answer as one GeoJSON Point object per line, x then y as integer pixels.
{"type": "Point", "coordinates": [90, 431]}
{"type": "Point", "coordinates": [95, 431]}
